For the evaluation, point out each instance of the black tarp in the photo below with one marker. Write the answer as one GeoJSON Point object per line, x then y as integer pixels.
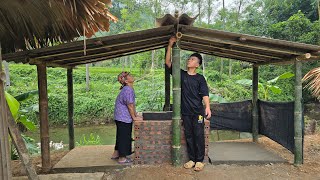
{"type": "Point", "coordinates": [276, 121]}
{"type": "Point", "coordinates": [232, 116]}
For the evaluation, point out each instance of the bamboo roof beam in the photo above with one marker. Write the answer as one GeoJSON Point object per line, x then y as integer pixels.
{"type": "Point", "coordinates": [250, 39]}
{"type": "Point", "coordinates": [106, 54]}
{"type": "Point", "coordinates": [117, 55]}
{"type": "Point", "coordinates": [238, 44]}
{"type": "Point", "coordinates": [231, 51]}
{"type": "Point", "coordinates": [111, 45]}
{"type": "Point", "coordinates": [304, 57]}
{"type": "Point", "coordinates": [250, 60]}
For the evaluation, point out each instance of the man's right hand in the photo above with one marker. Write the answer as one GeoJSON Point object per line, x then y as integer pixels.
{"type": "Point", "coordinates": [172, 40]}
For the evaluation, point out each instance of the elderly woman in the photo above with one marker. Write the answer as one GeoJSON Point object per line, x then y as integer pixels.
{"type": "Point", "coordinates": [124, 114]}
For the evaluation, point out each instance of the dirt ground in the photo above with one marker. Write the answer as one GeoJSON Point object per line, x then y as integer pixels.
{"type": "Point", "coordinates": [309, 170]}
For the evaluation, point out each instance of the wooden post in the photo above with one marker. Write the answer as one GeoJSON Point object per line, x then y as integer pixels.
{"type": "Point", "coordinates": [5, 161]}
{"type": "Point", "coordinates": [176, 117]}
{"type": "Point", "coordinates": [20, 146]}
{"type": "Point", "coordinates": [167, 86]}
{"type": "Point", "coordinates": [43, 112]}
{"type": "Point", "coordinates": [298, 120]}
{"type": "Point", "coordinates": [255, 115]}
{"type": "Point", "coordinates": [87, 78]}
{"type": "Point", "coordinates": [70, 108]}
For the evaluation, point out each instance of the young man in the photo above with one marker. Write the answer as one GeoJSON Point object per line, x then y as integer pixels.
{"type": "Point", "coordinates": [194, 90]}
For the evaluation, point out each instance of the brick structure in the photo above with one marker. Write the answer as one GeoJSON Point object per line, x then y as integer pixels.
{"type": "Point", "coordinates": [153, 142]}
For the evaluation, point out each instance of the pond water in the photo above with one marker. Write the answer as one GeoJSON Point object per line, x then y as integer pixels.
{"type": "Point", "coordinates": [107, 134]}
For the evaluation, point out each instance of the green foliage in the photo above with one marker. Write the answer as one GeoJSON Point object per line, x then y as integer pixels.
{"type": "Point", "coordinates": [91, 140]}
{"type": "Point", "coordinates": [268, 86]}
{"type": "Point", "coordinates": [30, 144]}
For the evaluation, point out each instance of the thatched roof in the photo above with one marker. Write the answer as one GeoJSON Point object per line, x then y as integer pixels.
{"type": "Point", "coordinates": [26, 24]}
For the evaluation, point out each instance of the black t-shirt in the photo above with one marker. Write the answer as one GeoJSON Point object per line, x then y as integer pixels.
{"type": "Point", "coordinates": [193, 88]}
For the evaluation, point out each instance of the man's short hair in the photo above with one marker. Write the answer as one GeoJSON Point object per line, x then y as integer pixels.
{"type": "Point", "coordinates": [197, 55]}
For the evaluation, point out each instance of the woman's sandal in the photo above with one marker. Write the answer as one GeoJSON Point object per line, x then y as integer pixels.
{"type": "Point", "coordinates": [189, 165]}
{"type": "Point", "coordinates": [199, 166]}
{"type": "Point", "coordinates": [125, 161]}
{"type": "Point", "coordinates": [114, 158]}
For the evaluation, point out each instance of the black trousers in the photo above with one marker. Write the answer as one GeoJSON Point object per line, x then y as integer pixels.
{"type": "Point", "coordinates": [194, 134]}
{"type": "Point", "coordinates": [124, 138]}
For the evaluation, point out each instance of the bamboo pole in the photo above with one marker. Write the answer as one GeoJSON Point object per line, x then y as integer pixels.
{"type": "Point", "coordinates": [5, 161]}
{"type": "Point", "coordinates": [70, 108]}
{"type": "Point", "coordinates": [167, 86]}
{"type": "Point", "coordinates": [43, 111]}
{"type": "Point", "coordinates": [176, 118]}
{"type": "Point", "coordinates": [298, 120]}
{"type": "Point", "coordinates": [255, 115]}
{"type": "Point", "coordinates": [20, 146]}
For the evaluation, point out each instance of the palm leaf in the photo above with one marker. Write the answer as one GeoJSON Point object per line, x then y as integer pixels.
{"type": "Point", "coordinates": [312, 79]}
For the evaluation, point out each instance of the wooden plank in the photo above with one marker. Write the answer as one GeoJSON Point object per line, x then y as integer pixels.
{"type": "Point", "coordinates": [21, 147]}
{"type": "Point", "coordinates": [43, 113]}
{"type": "Point", "coordinates": [132, 51]}
{"type": "Point", "coordinates": [5, 160]}
{"type": "Point", "coordinates": [70, 109]}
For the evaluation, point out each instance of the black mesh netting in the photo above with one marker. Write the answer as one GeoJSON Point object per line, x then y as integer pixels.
{"type": "Point", "coordinates": [276, 121]}
{"type": "Point", "coordinates": [232, 116]}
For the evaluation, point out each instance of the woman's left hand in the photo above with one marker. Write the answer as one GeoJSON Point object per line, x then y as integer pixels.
{"type": "Point", "coordinates": [138, 118]}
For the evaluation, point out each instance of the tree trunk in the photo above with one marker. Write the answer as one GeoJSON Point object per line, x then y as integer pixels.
{"type": "Point", "coordinates": [199, 10]}
{"type": "Point", "coordinates": [87, 78]}
{"type": "Point", "coordinates": [221, 68]}
{"type": "Point", "coordinates": [319, 10]}
{"type": "Point", "coordinates": [6, 70]}
{"type": "Point", "coordinates": [152, 60]}
{"type": "Point", "coordinates": [209, 11]}
{"type": "Point", "coordinates": [230, 67]}
{"type": "Point", "coordinates": [223, 27]}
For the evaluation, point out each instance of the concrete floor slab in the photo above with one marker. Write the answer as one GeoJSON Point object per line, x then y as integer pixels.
{"type": "Point", "coordinates": [67, 176]}
{"type": "Point", "coordinates": [97, 158]}
{"type": "Point", "coordinates": [88, 159]}
{"type": "Point", "coordinates": [244, 153]}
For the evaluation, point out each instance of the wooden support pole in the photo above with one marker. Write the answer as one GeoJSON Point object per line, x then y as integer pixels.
{"type": "Point", "coordinates": [20, 146]}
{"type": "Point", "coordinates": [70, 109]}
{"type": "Point", "coordinates": [176, 117]}
{"type": "Point", "coordinates": [5, 161]}
{"type": "Point", "coordinates": [43, 112]}
{"type": "Point", "coordinates": [298, 119]}
{"type": "Point", "coordinates": [255, 115]}
{"type": "Point", "coordinates": [167, 87]}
